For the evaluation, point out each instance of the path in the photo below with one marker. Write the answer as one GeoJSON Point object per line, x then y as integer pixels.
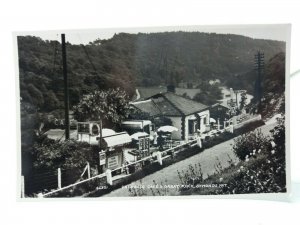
{"type": "Point", "coordinates": [207, 159]}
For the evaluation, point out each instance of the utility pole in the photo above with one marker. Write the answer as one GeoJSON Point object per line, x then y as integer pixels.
{"type": "Point", "coordinates": [259, 67]}
{"type": "Point", "coordinates": [66, 87]}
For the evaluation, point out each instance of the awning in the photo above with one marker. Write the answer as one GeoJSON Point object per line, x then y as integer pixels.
{"type": "Point", "coordinates": [138, 135]}
{"type": "Point", "coordinates": [107, 132]}
{"type": "Point", "coordinates": [117, 139]}
{"type": "Point", "coordinates": [136, 124]}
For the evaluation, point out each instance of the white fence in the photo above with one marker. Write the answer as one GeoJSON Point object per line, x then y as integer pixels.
{"type": "Point", "coordinates": [155, 157]}
{"type": "Point", "coordinates": [158, 157]}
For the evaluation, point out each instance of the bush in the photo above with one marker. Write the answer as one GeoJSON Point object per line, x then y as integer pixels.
{"type": "Point", "coordinates": [246, 143]}
{"type": "Point", "coordinates": [263, 171]}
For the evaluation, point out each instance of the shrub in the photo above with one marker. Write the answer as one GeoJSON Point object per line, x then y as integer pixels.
{"type": "Point", "coordinates": [263, 171]}
{"type": "Point", "coordinates": [246, 143]}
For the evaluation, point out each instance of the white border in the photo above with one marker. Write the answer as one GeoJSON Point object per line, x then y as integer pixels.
{"type": "Point", "coordinates": [264, 196]}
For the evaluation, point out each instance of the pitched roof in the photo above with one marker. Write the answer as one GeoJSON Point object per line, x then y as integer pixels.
{"type": "Point", "coordinates": [147, 106]}
{"type": "Point", "coordinates": [169, 104]}
{"type": "Point", "coordinates": [186, 106]}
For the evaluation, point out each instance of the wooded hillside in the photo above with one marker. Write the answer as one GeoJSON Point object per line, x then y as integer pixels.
{"type": "Point", "coordinates": [127, 60]}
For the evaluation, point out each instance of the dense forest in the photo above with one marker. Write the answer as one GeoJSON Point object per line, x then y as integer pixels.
{"type": "Point", "coordinates": [129, 60]}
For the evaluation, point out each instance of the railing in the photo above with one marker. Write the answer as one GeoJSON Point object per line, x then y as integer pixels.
{"type": "Point", "coordinates": [72, 185]}
{"type": "Point", "coordinates": [155, 157]}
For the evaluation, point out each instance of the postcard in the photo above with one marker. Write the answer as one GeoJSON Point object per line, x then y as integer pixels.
{"type": "Point", "coordinates": [154, 111]}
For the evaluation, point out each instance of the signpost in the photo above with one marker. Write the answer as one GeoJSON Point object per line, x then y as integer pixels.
{"type": "Point", "coordinates": [102, 158]}
{"type": "Point", "coordinates": [112, 162]}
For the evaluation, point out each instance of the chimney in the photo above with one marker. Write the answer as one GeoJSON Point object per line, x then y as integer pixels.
{"type": "Point", "coordinates": [171, 88]}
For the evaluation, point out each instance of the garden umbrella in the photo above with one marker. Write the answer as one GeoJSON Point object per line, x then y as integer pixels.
{"type": "Point", "coordinates": [212, 120]}
{"type": "Point", "coordinates": [167, 129]}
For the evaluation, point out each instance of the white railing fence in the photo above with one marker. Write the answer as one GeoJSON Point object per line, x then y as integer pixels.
{"type": "Point", "coordinates": [156, 157]}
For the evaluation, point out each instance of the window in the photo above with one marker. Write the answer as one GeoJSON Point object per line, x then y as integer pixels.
{"type": "Point", "coordinates": [205, 120]}
{"type": "Point", "coordinates": [191, 126]}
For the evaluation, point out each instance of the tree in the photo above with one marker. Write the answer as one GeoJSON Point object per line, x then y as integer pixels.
{"type": "Point", "coordinates": [111, 106]}
{"type": "Point", "coordinates": [52, 154]}
{"type": "Point", "coordinates": [209, 93]}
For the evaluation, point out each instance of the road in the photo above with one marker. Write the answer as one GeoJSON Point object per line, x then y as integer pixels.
{"type": "Point", "coordinates": [207, 159]}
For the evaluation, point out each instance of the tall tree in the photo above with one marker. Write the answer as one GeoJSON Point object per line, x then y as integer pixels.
{"type": "Point", "coordinates": [110, 106]}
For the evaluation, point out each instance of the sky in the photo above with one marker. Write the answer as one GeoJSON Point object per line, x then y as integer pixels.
{"type": "Point", "coordinates": [273, 32]}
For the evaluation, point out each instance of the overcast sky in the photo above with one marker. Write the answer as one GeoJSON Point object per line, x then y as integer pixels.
{"type": "Point", "coordinates": [273, 32]}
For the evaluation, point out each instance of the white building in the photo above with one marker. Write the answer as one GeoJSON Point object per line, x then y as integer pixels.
{"type": "Point", "coordinates": [187, 115]}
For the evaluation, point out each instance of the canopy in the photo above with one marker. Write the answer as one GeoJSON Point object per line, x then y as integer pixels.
{"type": "Point", "coordinates": [136, 123]}
{"type": "Point", "coordinates": [137, 135]}
{"type": "Point", "coordinates": [167, 129]}
{"type": "Point", "coordinates": [117, 139]}
{"type": "Point", "coordinates": [107, 132]}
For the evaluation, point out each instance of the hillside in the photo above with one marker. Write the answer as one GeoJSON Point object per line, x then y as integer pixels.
{"type": "Point", "coordinates": [274, 87]}
{"type": "Point", "coordinates": [130, 60]}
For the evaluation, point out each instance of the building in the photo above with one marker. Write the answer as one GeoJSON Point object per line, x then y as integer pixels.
{"type": "Point", "coordinates": [188, 116]}
{"type": "Point", "coordinates": [220, 112]}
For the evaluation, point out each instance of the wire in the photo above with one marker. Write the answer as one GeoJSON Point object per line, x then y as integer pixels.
{"type": "Point", "coordinates": [87, 54]}
{"type": "Point", "coordinates": [54, 55]}
{"type": "Point", "coordinates": [90, 60]}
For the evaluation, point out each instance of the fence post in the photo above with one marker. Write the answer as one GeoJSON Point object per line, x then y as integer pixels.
{"type": "Point", "coordinates": [109, 177]}
{"type": "Point", "coordinates": [199, 142]}
{"type": "Point", "coordinates": [59, 178]}
{"type": "Point", "coordinates": [22, 187]}
{"type": "Point", "coordinates": [231, 129]}
{"type": "Point", "coordinates": [88, 170]}
{"type": "Point", "coordinates": [159, 159]}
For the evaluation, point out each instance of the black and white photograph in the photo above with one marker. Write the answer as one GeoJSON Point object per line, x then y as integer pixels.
{"type": "Point", "coordinates": [153, 111]}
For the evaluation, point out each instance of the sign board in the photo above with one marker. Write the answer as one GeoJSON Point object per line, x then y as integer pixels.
{"type": "Point", "coordinates": [144, 143]}
{"type": "Point", "coordinates": [83, 128]}
{"type": "Point", "coordinates": [95, 130]}
{"type": "Point", "coordinates": [147, 143]}
{"type": "Point", "coordinates": [102, 158]}
{"type": "Point", "coordinates": [112, 162]}
{"type": "Point", "coordinates": [141, 143]}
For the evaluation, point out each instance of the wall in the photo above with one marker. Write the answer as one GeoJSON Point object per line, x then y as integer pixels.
{"type": "Point", "coordinates": [187, 118]}
{"type": "Point", "coordinates": [176, 121]}
{"type": "Point", "coordinates": [202, 115]}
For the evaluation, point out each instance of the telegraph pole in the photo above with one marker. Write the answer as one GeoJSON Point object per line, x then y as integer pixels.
{"type": "Point", "coordinates": [259, 67]}
{"type": "Point", "coordinates": [66, 87]}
